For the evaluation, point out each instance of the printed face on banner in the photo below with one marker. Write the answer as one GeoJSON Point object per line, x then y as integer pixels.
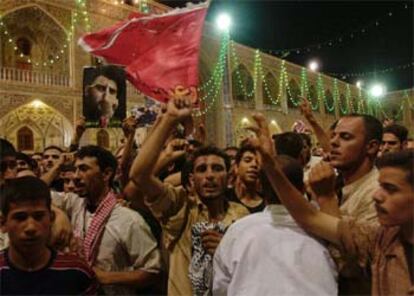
{"type": "Point", "coordinates": [104, 96]}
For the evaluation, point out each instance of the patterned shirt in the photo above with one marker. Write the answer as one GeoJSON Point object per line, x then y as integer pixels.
{"type": "Point", "coordinates": [63, 275]}
{"type": "Point", "coordinates": [177, 213]}
{"type": "Point", "coordinates": [382, 249]}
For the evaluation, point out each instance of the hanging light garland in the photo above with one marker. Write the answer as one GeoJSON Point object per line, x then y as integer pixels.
{"type": "Point", "coordinates": [80, 12]}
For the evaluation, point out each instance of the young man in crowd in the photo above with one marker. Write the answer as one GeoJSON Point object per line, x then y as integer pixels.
{"type": "Point", "coordinates": [386, 249]}
{"type": "Point", "coordinates": [394, 138]}
{"type": "Point", "coordinates": [68, 175]}
{"type": "Point", "coordinates": [246, 185]}
{"type": "Point", "coordinates": [192, 225]}
{"type": "Point", "coordinates": [114, 240]}
{"type": "Point", "coordinates": [267, 253]}
{"type": "Point", "coordinates": [51, 156]}
{"type": "Point", "coordinates": [355, 143]}
{"type": "Point", "coordinates": [28, 265]}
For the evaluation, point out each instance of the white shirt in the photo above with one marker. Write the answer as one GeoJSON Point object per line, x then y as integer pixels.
{"type": "Point", "coordinates": [127, 243]}
{"type": "Point", "coordinates": [268, 254]}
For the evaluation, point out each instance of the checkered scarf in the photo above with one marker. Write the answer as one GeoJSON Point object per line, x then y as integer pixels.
{"type": "Point", "coordinates": [97, 226]}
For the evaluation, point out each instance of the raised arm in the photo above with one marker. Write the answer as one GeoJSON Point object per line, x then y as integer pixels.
{"type": "Point", "coordinates": [142, 169]}
{"type": "Point", "coordinates": [312, 220]}
{"type": "Point", "coordinates": [80, 128]}
{"type": "Point", "coordinates": [322, 182]}
{"type": "Point", "coordinates": [53, 173]}
{"type": "Point", "coordinates": [320, 133]}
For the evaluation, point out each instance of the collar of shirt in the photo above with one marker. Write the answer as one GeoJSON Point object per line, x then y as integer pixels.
{"type": "Point", "coordinates": [280, 215]}
{"type": "Point", "coordinates": [349, 189]}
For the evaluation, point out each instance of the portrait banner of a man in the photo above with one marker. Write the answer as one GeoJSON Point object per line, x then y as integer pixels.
{"type": "Point", "coordinates": [104, 96]}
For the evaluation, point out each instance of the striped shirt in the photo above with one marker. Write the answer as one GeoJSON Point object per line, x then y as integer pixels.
{"type": "Point", "coordinates": [63, 275]}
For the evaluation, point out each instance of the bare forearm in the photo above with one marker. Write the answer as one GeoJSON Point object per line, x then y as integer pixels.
{"type": "Point", "coordinates": [329, 205]}
{"type": "Point", "coordinates": [320, 134]}
{"type": "Point", "coordinates": [51, 175]}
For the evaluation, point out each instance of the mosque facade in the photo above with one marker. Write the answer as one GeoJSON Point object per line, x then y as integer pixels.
{"type": "Point", "coordinates": [41, 79]}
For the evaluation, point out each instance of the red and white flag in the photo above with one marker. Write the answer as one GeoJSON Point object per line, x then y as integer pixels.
{"type": "Point", "coordinates": [160, 52]}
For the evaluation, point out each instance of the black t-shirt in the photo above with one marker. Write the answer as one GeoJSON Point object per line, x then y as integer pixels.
{"type": "Point", "coordinates": [231, 196]}
{"type": "Point", "coordinates": [63, 275]}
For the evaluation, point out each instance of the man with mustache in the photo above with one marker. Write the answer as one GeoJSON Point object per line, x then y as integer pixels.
{"type": "Point", "coordinates": [355, 142]}
{"type": "Point", "coordinates": [386, 249]}
{"type": "Point", "coordinates": [394, 138]}
{"type": "Point", "coordinates": [114, 240]}
{"type": "Point", "coordinates": [192, 225]}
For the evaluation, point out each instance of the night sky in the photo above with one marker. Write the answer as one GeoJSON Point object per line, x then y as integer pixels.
{"type": "Point", "coordinates": [347, 37]}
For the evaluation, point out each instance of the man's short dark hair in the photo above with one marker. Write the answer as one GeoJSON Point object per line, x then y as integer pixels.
{"type": "Point", "coordinates": [306, 138]}
{"type": "Point", "coordinates": [401, 132]}
{"type": "Point", "coordinates": [243, 149]}
{"type": "Point", "coordinates": [27, 159]}
{"type": "Point", "coordinates": [6, 149]}
{"type": "Point", "coordinates": [67, 168]}
{"type": "Point", "coordinates": [293, 171]}
{"type": "Point", "coordinates": [403, 160]}
{"type": "Point", "coordinates": [104, 158]}
{"type": "Point", "coordinates": [210, 150]}
{"type": "Point", "coordinates": [289, 143]}
{"type": "Point", "coordinates": [21, 190]}
{"type": "Point", "coordinates": [53, 147]}
{"type": "Point", "coordinates": [373, 127]}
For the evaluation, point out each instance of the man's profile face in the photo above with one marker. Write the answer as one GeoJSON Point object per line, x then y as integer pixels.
{"type": "Point", "coordinates": [394, 200]}
{"type": "Point", "coordinates": [209, 176]}
{"type": "Point", "coordinates": [89, 179]}
{"type": "Point", "coordinates": [103, 96]}
{"type": "Point", "coordinates": [390, 143]}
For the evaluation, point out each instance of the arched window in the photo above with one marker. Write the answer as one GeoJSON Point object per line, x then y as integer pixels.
{"type": "Point", "coordinates": [270, 90]}
{"type": "Point", "coordinates": [25, 139]}
{"type": "Point", "coordinates": [102, 138]}
{"type": "Point", "coordinates": [24, 46]}
{"type": "Point", "coordinates": [242, 84]}
{"type": "Point", "coordinates": [313, 97]}
{"type": "Point", "coordinates": [293, 94]}
{"type": "Point", "coordinates": [329, 102]}
{"type": "Point", "coordinates": [23, 53]}
{"type": "Point", "coordinates": [343, 105]}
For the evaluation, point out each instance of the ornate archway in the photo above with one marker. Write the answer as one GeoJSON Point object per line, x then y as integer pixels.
{"type": "Point", "coordinates": [48, 126]}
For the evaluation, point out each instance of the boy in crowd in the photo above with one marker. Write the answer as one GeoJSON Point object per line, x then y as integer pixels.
{"type": "Point", "coordinates": [28, 265]}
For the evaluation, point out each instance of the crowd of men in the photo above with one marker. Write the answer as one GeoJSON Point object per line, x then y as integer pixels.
{"type": "Point", "coordinates": [181, 216]}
